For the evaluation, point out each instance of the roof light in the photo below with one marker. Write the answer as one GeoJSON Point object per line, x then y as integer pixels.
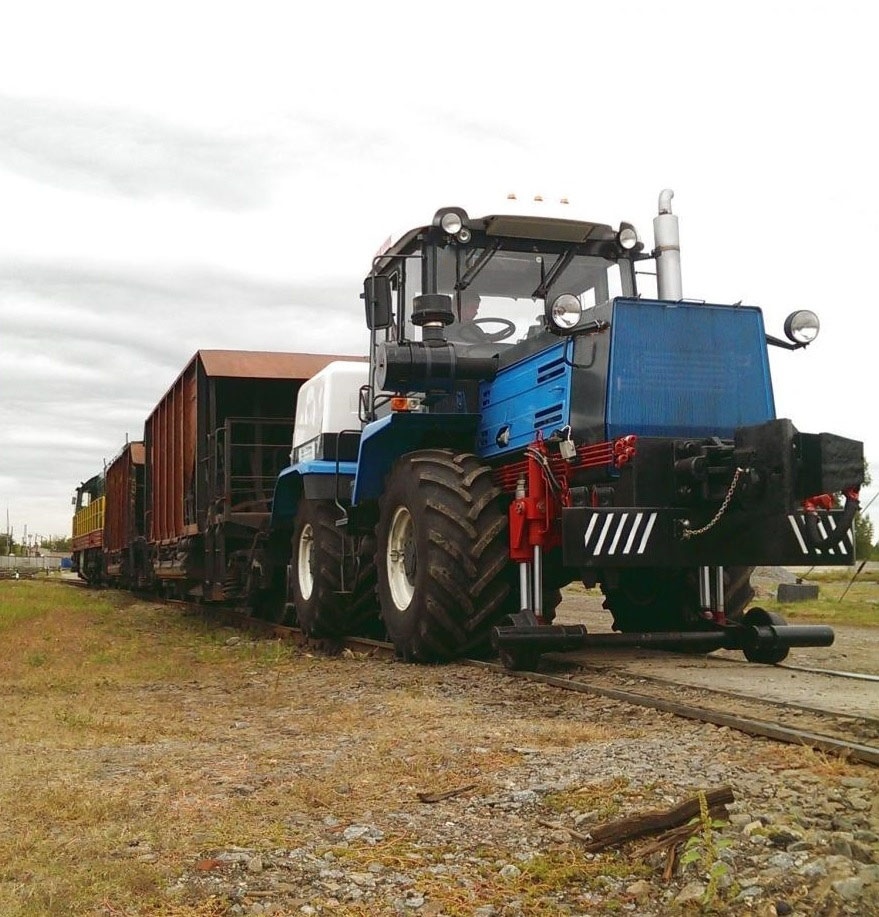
{"type": "Point", "coordinates": [451, 222]}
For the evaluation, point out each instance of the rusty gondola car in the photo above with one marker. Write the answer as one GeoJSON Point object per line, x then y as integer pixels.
{"type": "Point", "coordinates": [184, 512]}
{"type": "Point", "coordinates": [215, 445]}
{"type": "Point", "coordinates": [125, 562]}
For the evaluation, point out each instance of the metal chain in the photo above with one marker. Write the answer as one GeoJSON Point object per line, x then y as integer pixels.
{"type": "Point", "coordinates": [692, 533]}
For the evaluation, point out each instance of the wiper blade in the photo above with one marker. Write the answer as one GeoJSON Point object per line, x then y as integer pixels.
{"type": "Point", "coordinates": [555, 272]}
{"type": "Point", "coordinates": [471, 273]}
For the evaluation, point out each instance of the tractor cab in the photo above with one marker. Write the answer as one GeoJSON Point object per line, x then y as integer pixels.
{"type": "Point", "coordinates": [451, 302]}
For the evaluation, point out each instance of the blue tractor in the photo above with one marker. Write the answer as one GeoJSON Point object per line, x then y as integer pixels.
{"type": "Point", "coordinates": [528, 418]}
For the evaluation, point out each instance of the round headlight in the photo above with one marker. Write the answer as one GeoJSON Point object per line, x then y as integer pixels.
{"type": "Point", "coordinates": [451, 222]}
{"type": "Point", "coordinates": [565, 311]}
{"type": "Point", "coordinates": [802, 327]}
{"type": "Point", "coordinates": [628, 238]}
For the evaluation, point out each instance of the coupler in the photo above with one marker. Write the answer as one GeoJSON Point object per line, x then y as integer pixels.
{"type": "Point", "coordinates": [762, 636]}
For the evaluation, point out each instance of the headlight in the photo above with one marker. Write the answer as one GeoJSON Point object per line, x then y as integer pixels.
{"type": "Point", "coordinates": [627, 237]}
{"type": "Point", "coordinates": [565, 311]}
{"type": "Point", "coordinates": [451, 222]}
{"type": "Point", "coordinates": [802, 327]}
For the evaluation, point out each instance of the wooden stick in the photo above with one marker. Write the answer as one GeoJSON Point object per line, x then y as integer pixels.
{"type": "Point", "coordinates": [448, 794]}
{"type": "Point", "coordinates": [624, 829]}
{"type": "Point", "coordinates": [676, 835]}
{"type": "Point", "coordinates": [671, 861]}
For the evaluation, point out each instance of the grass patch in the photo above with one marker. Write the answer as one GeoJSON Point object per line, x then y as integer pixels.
{"type": "Point", "coordinates": [457, 881]}
{"type": "Point", "coordinates": [102, 745]}
{"type": "Point", "coordinates": [138, 739]}
{"type": "Point", "coordinates": [838, 602]}
{"type": "Point", "coordinates": [602, 800]}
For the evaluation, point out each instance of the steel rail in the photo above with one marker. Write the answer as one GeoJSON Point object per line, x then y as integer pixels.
{"type": "Point", "coordinates": [851, 750]}
{"type": "Point", "coordinates": [611, 671]}
{"type": "Point", "coordinates": [835, 673]}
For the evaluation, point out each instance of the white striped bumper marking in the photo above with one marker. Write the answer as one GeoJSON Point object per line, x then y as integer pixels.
{"type": "Point", "coordinates": [612, 533]}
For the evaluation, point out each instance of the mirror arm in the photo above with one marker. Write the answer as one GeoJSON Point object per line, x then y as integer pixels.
{"type": "Point", "coordinates": [786, 345]}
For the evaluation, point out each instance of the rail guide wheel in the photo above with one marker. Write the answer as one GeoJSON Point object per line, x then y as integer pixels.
{"type": "Point", "coordinates": [767, 655]}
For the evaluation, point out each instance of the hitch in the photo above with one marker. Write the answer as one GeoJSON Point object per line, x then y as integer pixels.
{"type": "Point", "coordinates": [762, 637]}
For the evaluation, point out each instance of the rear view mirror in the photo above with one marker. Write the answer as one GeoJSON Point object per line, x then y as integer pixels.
{"type": "Point", "coordinates": [377, 297]}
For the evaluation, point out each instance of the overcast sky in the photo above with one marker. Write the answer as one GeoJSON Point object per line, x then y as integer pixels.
{"type": "Point", "coordinates": [179, 176]}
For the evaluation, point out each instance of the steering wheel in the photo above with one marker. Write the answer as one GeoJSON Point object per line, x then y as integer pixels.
{"type": "Point", "coordinates": [508, 329]}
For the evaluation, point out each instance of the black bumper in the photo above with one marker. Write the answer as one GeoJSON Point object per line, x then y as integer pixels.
{"type": "Point", "coordinates": [654, 536]}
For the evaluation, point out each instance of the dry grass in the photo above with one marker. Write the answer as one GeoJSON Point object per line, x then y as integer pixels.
{"type": "Point", "coordinates": [137, 740]}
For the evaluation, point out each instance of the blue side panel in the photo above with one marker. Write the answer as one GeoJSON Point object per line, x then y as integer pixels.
{"type": "Point", "coordinates": [321, 466]}
{"type": "Point", "coordinates": [289, 486]}
{"type": "Point", "coordinates": [383, 441]}
{"type": "Point", "coordinates": [680, 369]}
{"type": "Point", "coordinates": [532, 395]}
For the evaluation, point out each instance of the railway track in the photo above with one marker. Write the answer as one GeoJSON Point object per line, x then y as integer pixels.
{"type": "Point", "coordinates": [854, 736]}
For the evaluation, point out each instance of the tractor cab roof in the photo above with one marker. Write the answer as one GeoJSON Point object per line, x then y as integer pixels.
{"type": "Point", "coordinates": [512, 231]}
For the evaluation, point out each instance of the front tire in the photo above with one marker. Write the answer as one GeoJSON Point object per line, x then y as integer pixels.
{"type": "Point", "coordinates": [444, 575]}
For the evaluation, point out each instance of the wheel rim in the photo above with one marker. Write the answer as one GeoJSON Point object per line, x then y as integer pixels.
{"type": "Point", "coordinates": [305, 561]}
{"type": "Point", "coordinates": [401, 559]}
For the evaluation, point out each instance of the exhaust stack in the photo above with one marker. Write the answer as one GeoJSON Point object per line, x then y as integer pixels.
{"type": "Point", "coordinates": [667, 249]}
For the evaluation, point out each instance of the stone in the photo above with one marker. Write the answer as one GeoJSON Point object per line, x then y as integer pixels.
{"type": "Point", "coordinates": [752, 891]}
{"type": "Point", "coordinates": [863, 853]}
{"type": "Point", "coordinates": [690, 893]}
{"type": "Point", "coordinates": [639, 889]}
{"type": "Point", "coordinates": [849, 889]}
{"type": "Point", "coordinates": [797, 592]}
{"type": "Point", "coordinates": [784, 839]}
{"type": "Point", "coordinates": [841, 846]}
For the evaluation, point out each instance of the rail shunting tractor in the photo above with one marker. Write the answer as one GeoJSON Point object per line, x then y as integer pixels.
{"type": "Point", "coordinates": [530, 417]}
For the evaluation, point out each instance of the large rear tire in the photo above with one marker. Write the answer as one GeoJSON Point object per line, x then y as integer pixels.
{"type": "Point", "coordinates": [653, 599]}
{"type": "Point", "coordinates": [333, 589]}
{"type": "Point", "coordinates": [444, 574]}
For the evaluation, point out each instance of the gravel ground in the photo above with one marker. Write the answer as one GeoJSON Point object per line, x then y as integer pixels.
{"type": "Point", "coordinates": [802, 836]}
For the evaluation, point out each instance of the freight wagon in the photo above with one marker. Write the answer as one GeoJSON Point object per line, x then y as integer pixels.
{"type": "Point", "coordinates": [182, 511]}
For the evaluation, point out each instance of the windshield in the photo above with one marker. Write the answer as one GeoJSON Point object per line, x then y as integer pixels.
{"type": "Point", "coordinates": [489, 282]}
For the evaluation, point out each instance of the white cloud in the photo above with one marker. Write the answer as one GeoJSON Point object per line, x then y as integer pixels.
{"type": "Point", "coordinates": [203, 176]}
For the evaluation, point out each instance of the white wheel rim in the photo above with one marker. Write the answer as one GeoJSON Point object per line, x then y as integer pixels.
{"type": "Point", "coordinates": [304, 561]}
{"type": "Point", "coordinates": [400, 541]}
